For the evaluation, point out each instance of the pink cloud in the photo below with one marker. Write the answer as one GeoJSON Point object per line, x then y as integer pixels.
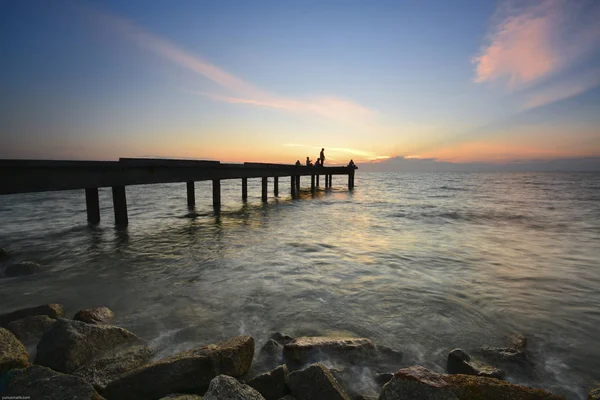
{"type": "Point", "coordinates": [563, 90]}
{"type": "Point", "coordinates": [534, 41]}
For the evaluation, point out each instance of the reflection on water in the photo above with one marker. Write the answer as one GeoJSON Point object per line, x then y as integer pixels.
{"type": "Point", "coordinates": [419, 262]}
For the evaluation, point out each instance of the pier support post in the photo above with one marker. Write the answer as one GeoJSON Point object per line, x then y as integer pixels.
{"type": "Point", "coordinates": [244, 189]}
{"type": "Point", "coordinates": [120, 205]}
{"type": "Point", "coordinates": [92, 205]}
{"type": "Point", "coordinates": [191, 194]}
{"type": "Point", "coordinates": [216, 186]}
{"type": "Point", "coordinates": [317, 180]}
{"type": "Point", "coordinates": [276, 186]}
{"type": "Point", "coordinates": [330, 181]}
{"type": "Point", "coordinates": [264, 188]}
{"type": "Point", "coordinates": [293, 185]}
{"type": "Point", "coordinates": [351, 180]}
{"type": "Point", "coordinates": [298, 185]}
{"type": "Point", "coordinates": [312, 183]}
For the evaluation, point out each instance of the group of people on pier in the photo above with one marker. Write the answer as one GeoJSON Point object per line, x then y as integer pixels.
{"type": "Point", "coordinates": [321, 161]}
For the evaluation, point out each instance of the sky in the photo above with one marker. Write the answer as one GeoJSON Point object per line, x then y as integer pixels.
{"type": "Point", "coordinates": [385, 83]}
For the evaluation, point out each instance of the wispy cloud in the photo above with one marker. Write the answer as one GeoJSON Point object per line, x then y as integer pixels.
{"type": "Point", "coordinates": [562, 90]}
{"type": "Point", "coordinates": [535, 39]}
{"type": "Point", "coordinates": [239, 91]}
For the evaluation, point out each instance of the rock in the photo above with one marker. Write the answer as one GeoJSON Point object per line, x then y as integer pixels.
{"type": "Point", "coordinates": [96, 315]}
{"type": "Point", "coordinates": [271, 385]}
{"type": "Point", "coordinates": [51, 310]}
{"type": "Point", "coordinates": [364, 397]}
{"type": "Point", "coordinates": [69, 344]}
{"type": "Point", "coordinates": [3, 253]}
{"type": "Point", "coordinates": [518, 341]}
{"type": "Point", "coordinates": [416, 383]}
{"type": "Point", "coordinates": [420, 383]}
{"type": "Point", "coordinates": [271, 351]}
{"type": "Point", "coordinates": [307, 349]}
{"type": "Point", "coordinates": [382, 379]}
{"type": "Point", "coordinates": [188, 371]}
{"type": "Point", "coordinates": [30, 329]}
{"type": "Point", "coordinates": [225, 387]}
{"type": "Point", "coordinates": [477, 387]}
{"type": "Point", "coordinates": [37, 382]}
{"type": "Point", "coordinates": [594, 394]}
{"type": "Point", "coordinates": [315, 382]}
{"type": "Point", "coordinates": [13, 353]}
{"type": "Point", "coordinates": [22, 268]}
{"type": "Point", "coordinates": [102, 371]}
{"type": "Point", "coordinates": [505, 354]}
{"type": "Point", "coordinates": [288, 397]}
{"type": "Point", "coordinates": [281, 338]}
{"type": "Point", "coordinates": [460, 362]}
{"type": "Point", "coordinates": [177, 396]}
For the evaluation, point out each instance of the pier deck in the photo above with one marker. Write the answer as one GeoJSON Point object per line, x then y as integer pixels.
{"type": "Point", "coordinates": [25, 176]}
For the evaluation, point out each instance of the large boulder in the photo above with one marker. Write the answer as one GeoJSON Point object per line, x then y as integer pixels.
{"type": "Point", "coordinates": [225, 387]}
{"type": "Point", "coordinates": [23, 268]}
{"type": "Point", "coordinates": [30, 329]}
{"type": "Point", "coordinates": [272, 384]}
{"type": "Point", "coordinates": [51, 310]}
{"type": "Point", "coordinates": [315, 383]}
{"type": "Point", "coordinates": [43, 383]}
{"type": "Point", "coordinates": [188, 371]}
{"type": "Point", "coordinates": [69, 344]}
{"type": "Point", "coordinates": [96, 315]}
{"type": "Point", "coordinates": [594, 394]}
{"type": "Point", "coordinates": [13, 353]}
{"type": "Point", "coordinates": [102, 371]}
{"type": "Point", "coordinates": [459, 362]}
{"type": "Point", "coordinates": [307, 349]}
{"type": "Point", "coordinates": [419, 383]}
{"type": "Point", "coordinates": [505, 354]}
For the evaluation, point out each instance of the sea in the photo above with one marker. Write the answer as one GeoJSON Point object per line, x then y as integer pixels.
{"type": "Point", "coordinates": [420, 262]}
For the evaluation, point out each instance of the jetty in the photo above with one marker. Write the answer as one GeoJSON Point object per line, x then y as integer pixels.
{"type": "Point", "coordinates": [26, 176]}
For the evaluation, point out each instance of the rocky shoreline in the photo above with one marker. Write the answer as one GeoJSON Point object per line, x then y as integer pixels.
{"type": "Point", "coordinates": [87, 358]}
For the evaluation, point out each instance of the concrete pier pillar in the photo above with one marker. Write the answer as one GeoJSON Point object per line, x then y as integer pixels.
{"type": "Point", "coordinates": [120, 205]}
{"type": "Point", "coordinates": [276, 186]}
{"type": "Point", "coordinates": [317, 180]}
{"type": "Point", "coordinates": [216, 186]}
{"type": "Point", "coordinates": [191, 194]}
{"type": "Point", "coordinates": [351, 180]}
{"type": "Point", "coordinates": [312, 183]}
{"type": "Point", "coordinates": [330, 181]}
{"type": "Point", "coordinates": [327, 181]}
{"type": "Point", "coordinates": [244, 189]}
{"type": "Point", "coordinates": [92, 205]}
{"type": "Point", "coordinates": [293, 185]}
{"type": "Point", "coordinates": [264, 188]}
{"type": "Point", "coordinates": [298, 184]}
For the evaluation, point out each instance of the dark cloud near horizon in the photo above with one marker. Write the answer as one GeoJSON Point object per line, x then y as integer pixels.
{"type": "Point", "coordinates": [402, 164]}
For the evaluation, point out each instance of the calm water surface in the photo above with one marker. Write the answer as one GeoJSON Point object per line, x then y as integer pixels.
{"type": "Point", "coordinates": [419, 262]}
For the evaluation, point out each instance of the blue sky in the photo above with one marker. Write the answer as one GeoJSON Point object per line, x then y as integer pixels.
{"type": "Point", "coordinates": [468, 81]}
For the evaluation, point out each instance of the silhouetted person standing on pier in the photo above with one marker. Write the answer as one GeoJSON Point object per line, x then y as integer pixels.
{"type": "Point", "coordinates": [322, 156]}
{"type": "Point", "coordinates": [308, 163]}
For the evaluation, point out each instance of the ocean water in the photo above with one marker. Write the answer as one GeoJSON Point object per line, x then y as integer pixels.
{"type": "Point", "coordinates": [422, 263]}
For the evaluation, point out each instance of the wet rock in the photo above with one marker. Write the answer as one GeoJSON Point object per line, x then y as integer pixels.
{"type": "Point", "coordinates": [13, 353]}
{"type": "Point", "coordinates": [505, 354]}
{"type": "Point", "coordinates": [3, 254]}
{"type": "Point", "coordinates": [270, 354]}
{"type": "Point", "coordinates": [594, 394]}
{"type": "Point", "coordinates": [225, 387]}
{"type": "Point", "coordinates": [96, 315]}
{"type": "Point", "coordinates": [315, 383]}
{"type": "Point", "coordinates": [69, 344]}
{"type": "Point", "coordinates": [459, 362]}
{"type": "Point", "coordinates": [271, 385]}
{"type": "Point", "coordinates": [419, 383]}
{"type": "Point", "coordinates": [477, 387]}
{"type": "Point", "coordinates": [102, 371]}
{"type": "Point", "coordinates": [43, 383]}
{"type": "Point", "coordinates": [177, 396]}
{"type": "Point", "coordinates": [518, 341]}
{"type": "Point", "coordinates": [188, 371]}
{"type": "Point", "coordinates": [307, 349]}
{"type": "Point", "coordinates": [51, 310]}
{"type": "Point", "coordinates": [383, 378]}
{"type": "Point", "coordinates": [23, 268]}
{"type": "Point", "coordinates": [30, 329]}
{"type": "Point", "coordinates": [281, 338]}
{"type": "Point", "coordinates": [416, 383]}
